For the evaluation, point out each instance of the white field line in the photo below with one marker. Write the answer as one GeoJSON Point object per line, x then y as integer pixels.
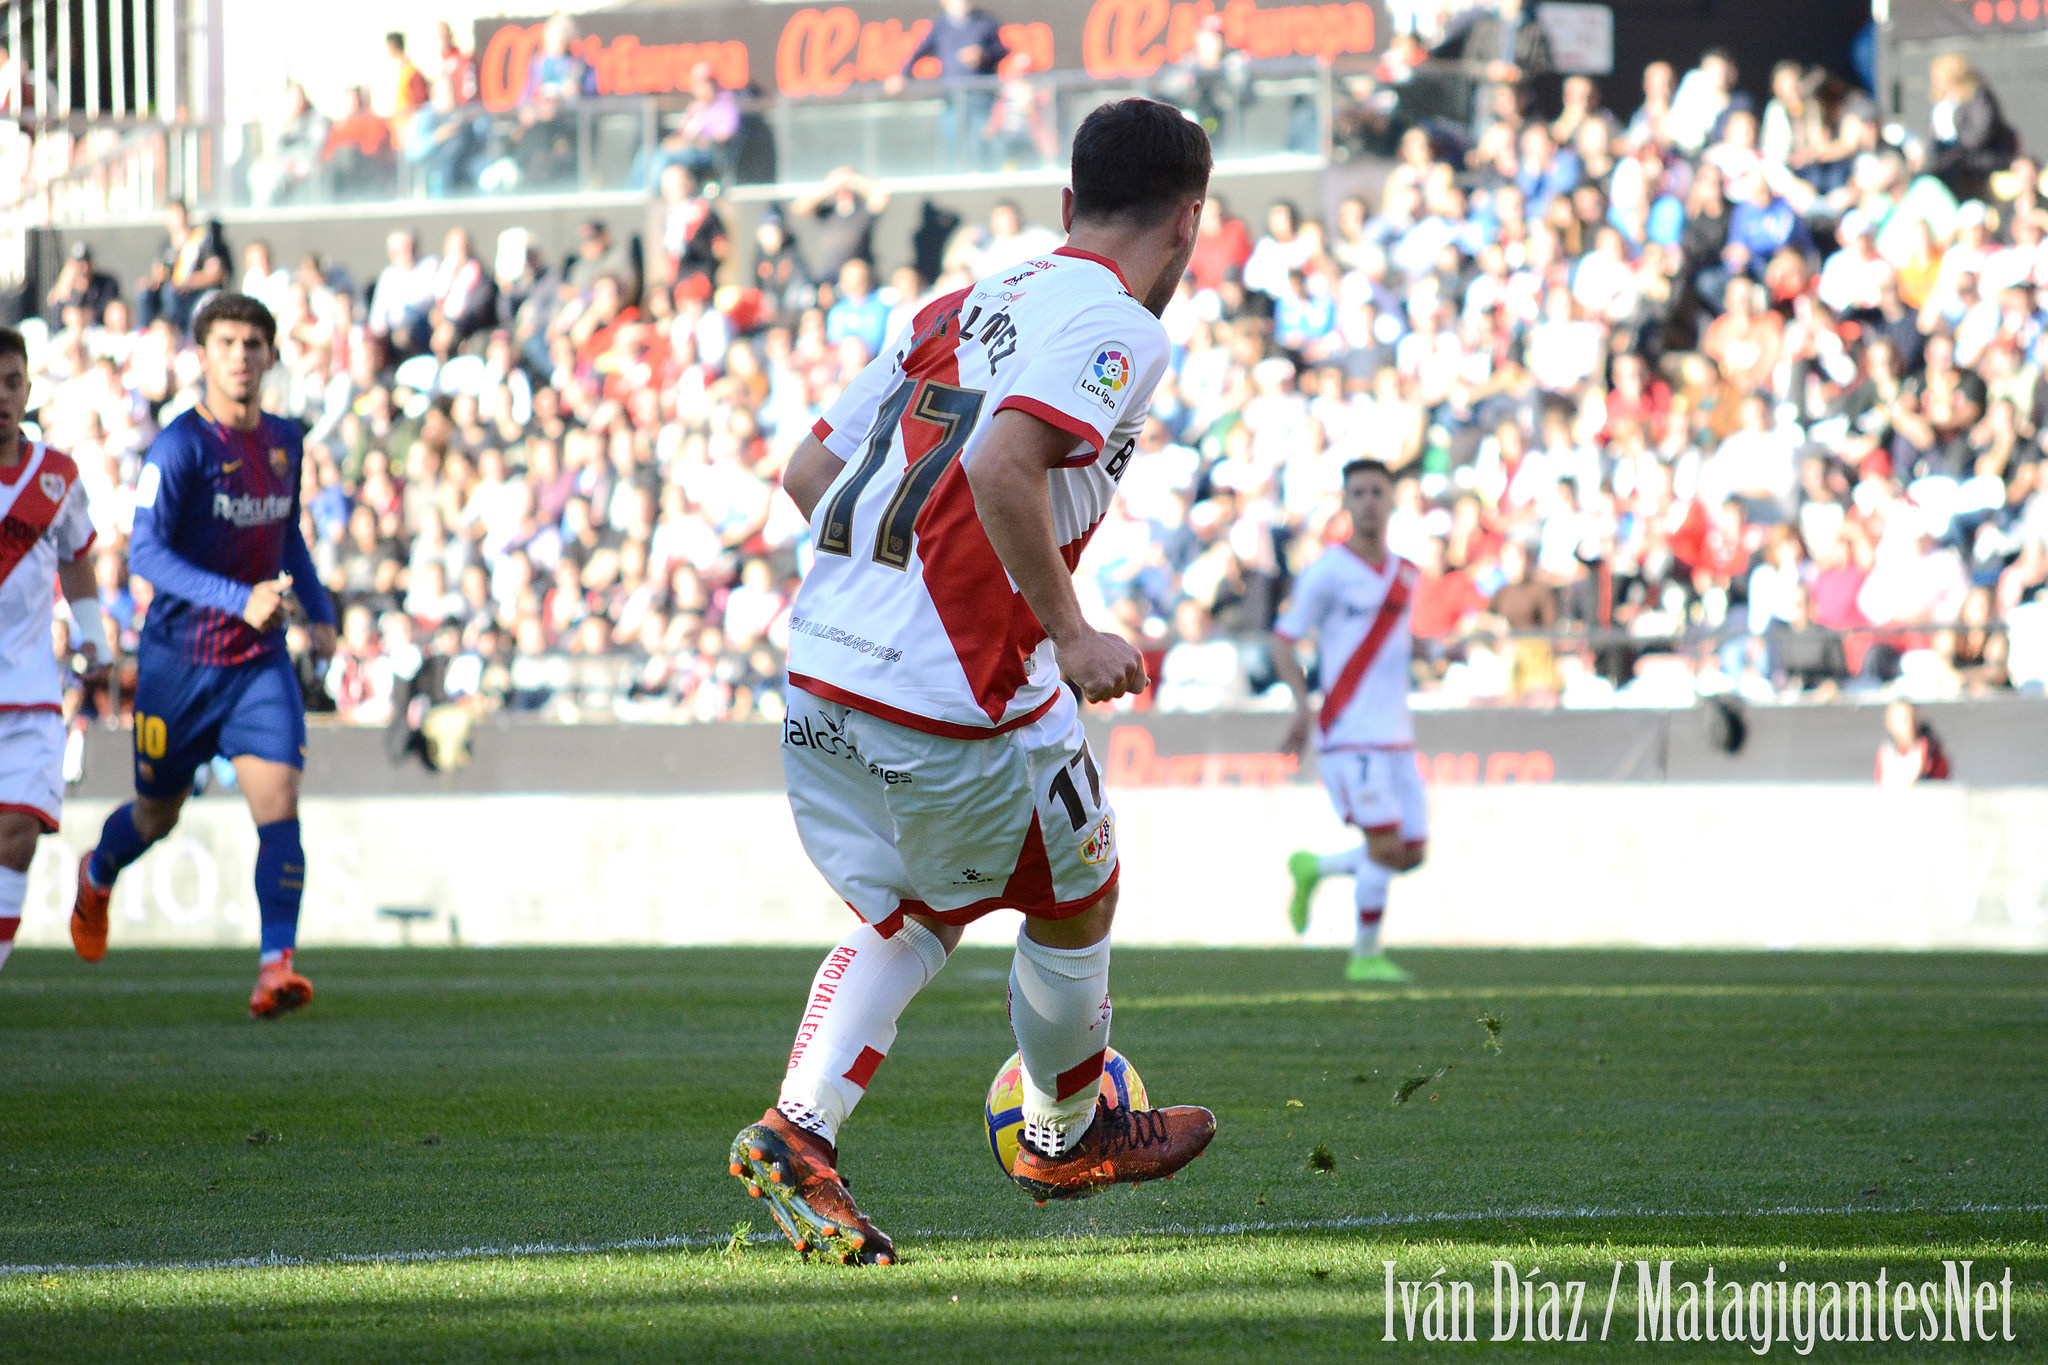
{"type": "Point", "coordinates": [1361, 1222]}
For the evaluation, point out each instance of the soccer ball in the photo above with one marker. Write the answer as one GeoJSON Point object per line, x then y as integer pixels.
{"type": "Point", "coordinates": [1004, 1110]}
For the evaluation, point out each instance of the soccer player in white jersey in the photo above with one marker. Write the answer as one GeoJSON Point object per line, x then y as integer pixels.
{"type": "Point", "coordinates": [1355, 601]}
{"type": "Point", "coordinates": [936, 763]}
{"type": "Point", "coordinates": [44, 534]}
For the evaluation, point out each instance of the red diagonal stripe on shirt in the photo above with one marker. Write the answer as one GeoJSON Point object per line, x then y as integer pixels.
{"type": "Point", "coordinates": [1338, 695]}
{"type": "Point", "coordinates": [28, 518]}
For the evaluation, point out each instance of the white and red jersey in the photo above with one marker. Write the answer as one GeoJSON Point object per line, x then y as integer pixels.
{"type": "Point", "coordinates": [907, 613]}
{"type": "Point", "coordinates": [43, 522]}
{"type": "Point", "coordinates": [1359, 615]}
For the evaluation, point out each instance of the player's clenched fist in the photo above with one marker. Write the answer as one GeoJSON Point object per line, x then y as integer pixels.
{"type": "Point", "coordinates": [1102, 665]}
{"type": "Point", "coordinates": [266, 602]}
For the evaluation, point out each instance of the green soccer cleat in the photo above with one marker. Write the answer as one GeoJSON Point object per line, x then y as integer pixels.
{"type": "Point", "coordinates": [1374, 968]}
{"type": "Point", "coordinates": [1307, 870]}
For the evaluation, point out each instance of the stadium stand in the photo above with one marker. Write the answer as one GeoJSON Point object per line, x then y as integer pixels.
{"type": "Point", "coordinates": [1709, 397]}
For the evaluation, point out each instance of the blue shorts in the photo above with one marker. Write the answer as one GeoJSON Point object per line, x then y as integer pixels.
{"type": "Point", "coordinates": [186, 713]}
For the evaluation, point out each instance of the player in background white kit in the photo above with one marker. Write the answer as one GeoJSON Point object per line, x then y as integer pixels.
{"type": "Point", "coordinates": [936, 764]}
{"type": "Point", "coordinates": [1355, 601]}
{"type": "Point", "coordinates": [44, 534]}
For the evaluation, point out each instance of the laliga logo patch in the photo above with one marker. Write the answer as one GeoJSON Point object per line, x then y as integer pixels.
{"type": "Point", "coordinates": [52, 486]}
{"type": "Point", "coordinates": [1107, 376]}
{"type": "Point", "coordinates": [1100, 843]}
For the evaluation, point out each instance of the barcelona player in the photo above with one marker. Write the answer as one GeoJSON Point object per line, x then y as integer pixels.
{"type": "Point", "coordinates": [217, 535]}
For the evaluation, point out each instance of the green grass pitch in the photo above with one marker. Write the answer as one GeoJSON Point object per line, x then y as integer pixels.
{"type": "Point", "coordinates": [519, 1155]}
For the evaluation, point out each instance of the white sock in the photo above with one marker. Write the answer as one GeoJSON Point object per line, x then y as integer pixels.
{"type": "Point", "coordinates": [13, 892]}
{"type": "Point", "coordinates": [1370, 893]}
{"type": "Point", "coordinates": [1341, 864]}
{"type": "Point", "coordinates": [849, 1022]}
{"type": "Point", "coordinates": [1059, 1010]}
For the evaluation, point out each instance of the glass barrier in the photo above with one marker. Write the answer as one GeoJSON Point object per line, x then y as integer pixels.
{"type": "Point", "coordinates": [982, 128]}
{"type": "Point", "coordinates": [1261, 115]}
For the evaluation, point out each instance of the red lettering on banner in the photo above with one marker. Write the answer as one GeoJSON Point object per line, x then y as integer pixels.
{"type": "Point", "coordinates": [624, 66]}
{"type": "Point", "coordinates": [501, 68]}
{"type": "Point", "coordinates": [1502, 766]}
{"type": "Point", "coordinates": [1122, 38]}
{"type": "Point", "coordinates": [1135, 761]}
{"type": "Point", "coordinates": [821, 52]}
{"type": "Point", "coordinates": [1033, 40]}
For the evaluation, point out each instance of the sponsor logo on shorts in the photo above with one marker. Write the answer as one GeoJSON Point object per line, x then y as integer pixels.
{"type": "Point", "coordinates": [1100, 844]}
{"type": "Point", "coordinates": [1107, 376]}
{"type": "Point", "coordinates": [799, 733]}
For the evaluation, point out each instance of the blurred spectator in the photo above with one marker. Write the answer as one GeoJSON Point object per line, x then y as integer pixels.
{"type": "Point", "coordinates": [693, 238]}
{"type": "Point", "coordinates": [465, 298]}
{"type": "Point", "coordinates": [859, 314]}
{"type": "Point", "coordinates": [190, 266]}
{"type": "Point", "coordinates": [702, 139]}
{"type": "Point", "coordinates": [294, 143]}
{"type": "Point", "coordinates": [400, 88]}
{"type": "Point", "coordinates": [454, 65]}
{"type": "Point", "coordinates": [403, 298]}
{"type": "Point", "coordinates": [1507, 48]}
{"type": "Point", "coordinates": [1971, 137]}
{"type": "Point", "coordinates": [1208, 83]}
{"type": "Point", "coordinates": [447, 141]}
{"type": "Point", "coordinates": [82, 286]}
{"type": "Point", "coordinates": [360, 151]}
{"type": "Point", "coordinates": [967, 44]}
{"type": "Point", "coordinates": [844, 207]}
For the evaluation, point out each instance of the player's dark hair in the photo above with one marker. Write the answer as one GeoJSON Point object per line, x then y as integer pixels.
{"type": "Point", "coordinates": [1138, 159]}
{"type": "Point", "coordinates": [395, 39]}
{"type": "Point", "coordinates": [13, 343]}
{"type": "Point", "coordinates": [1378, 467]}
{"type": "Point", "coordinates": [226, 307]}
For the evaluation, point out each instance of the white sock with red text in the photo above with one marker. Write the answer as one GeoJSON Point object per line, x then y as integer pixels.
{"type": "Point", "coordinates": [1341, 864]}
{"type": "Point", "coordinates": [13, 891]}
{"type": "Point", "coordinates": [1370, 894]}
{"type": "Point", "coordinates": [1059, 1010]}
{"type": "Point", "coordinates": [849, 1022]}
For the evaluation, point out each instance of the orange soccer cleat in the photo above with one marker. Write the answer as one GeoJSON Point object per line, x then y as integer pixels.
{"type": "Point", "coordinates": [796, 1172]}
{"type": "Point", "coordinates": [1122, 1146]}
{"type": "Point", "coordinates": [279, 989]}
{"type": "Point", "coordinates": [89, 915]}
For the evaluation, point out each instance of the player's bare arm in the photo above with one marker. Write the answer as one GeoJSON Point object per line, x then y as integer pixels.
{"type": "Point", "coordinates": [1015, 506]}
{"type": "Point", "coordinates": [811, 471]}
{"type": "Point", "coordinates": [1287, 665]}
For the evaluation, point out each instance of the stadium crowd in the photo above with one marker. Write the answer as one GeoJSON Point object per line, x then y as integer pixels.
{"type": "Point", "coordinates": [1706, 396]}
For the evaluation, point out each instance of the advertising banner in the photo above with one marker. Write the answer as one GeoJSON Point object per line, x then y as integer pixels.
{"type": "Point", "coordinates": [1915, 19]}
{"type": "Point", "coordinates": [808, 51]}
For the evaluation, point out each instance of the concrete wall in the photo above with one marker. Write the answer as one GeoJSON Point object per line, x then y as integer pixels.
{"type": "Point", "coordinates": [1662, 865]}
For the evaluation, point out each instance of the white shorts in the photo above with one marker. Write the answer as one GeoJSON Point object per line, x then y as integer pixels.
{"type": "Point", "coordinates": [1377, 789]}
{"type": "Point", "coordinates": [901, 821]}
{"type": "Point", "coordinates": [32, 765]}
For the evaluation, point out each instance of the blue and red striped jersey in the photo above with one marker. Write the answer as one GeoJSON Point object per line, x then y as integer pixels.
{"type": "Point", "coordinates": [217, 510]}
